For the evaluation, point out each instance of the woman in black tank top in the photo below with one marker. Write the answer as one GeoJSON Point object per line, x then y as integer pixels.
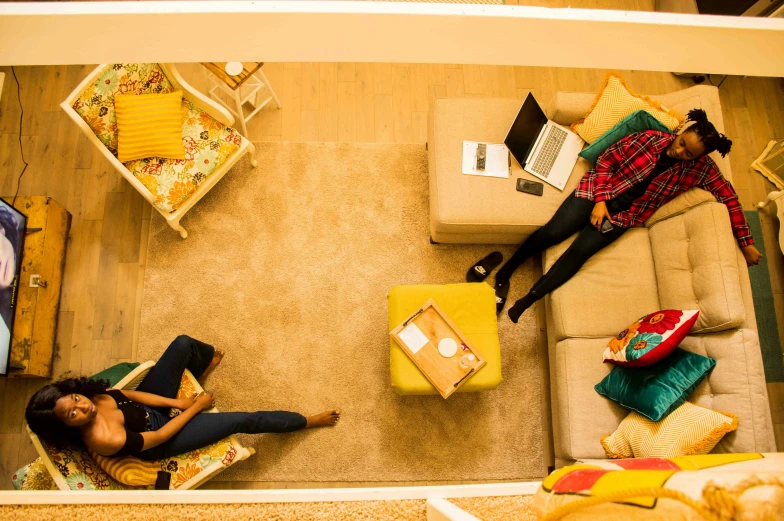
{"type": "Point", "coordinates": [114, 422]}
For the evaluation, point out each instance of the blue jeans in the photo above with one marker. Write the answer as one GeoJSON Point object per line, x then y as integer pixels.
{"type": "Point", "coordinates": [205, 428]}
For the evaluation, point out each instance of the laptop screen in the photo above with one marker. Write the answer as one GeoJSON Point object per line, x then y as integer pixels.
{"type": "Point", "coordinates": [525, 129]}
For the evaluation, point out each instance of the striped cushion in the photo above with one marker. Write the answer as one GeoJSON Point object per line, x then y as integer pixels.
{"type": "Point", "coordinates": [613, 103]}
{"type": "Point", "coordinates": [129, 470]}
{"type": "Point", "coordinates": [149, 125]}
{"type": "Point", "coordinates": [688, 430]}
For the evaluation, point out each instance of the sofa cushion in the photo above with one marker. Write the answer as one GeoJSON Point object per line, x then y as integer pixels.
{"type": "Point", "coordinates": [651, 338]}
{"type": "Point", "coordinates": [637, 121]}
{"type": "Point", "coordinates": [581, 416]}
{"type": "Point", "coordinates": [613, 103]}
{"type": "Point", "coordinates": [735, 385]}
{"type": "Point", "coordinates": [696, 263]}
{"type": "Point", "coordinates": [614, 288]}
{"type": "Point", "coordinates": [656, 390]}
{"type": "Point", "coordinates": [690, 429]}
{"type": "Point", "coordinates": [680, 204]}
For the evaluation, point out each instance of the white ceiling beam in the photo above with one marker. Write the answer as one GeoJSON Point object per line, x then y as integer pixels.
{"type": "Point", "coordinates": [326, 31]}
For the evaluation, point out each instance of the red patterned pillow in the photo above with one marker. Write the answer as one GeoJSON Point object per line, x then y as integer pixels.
{"type": "Point", "coordinates": [651, 338]}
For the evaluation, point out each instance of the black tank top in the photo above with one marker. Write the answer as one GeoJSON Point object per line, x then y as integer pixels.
{"type": "Point", "coordinates": [136, 422]}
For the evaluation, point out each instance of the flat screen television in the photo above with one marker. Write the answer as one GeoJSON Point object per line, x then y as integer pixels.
{"type": "Point", "coordinates": [12, 235]}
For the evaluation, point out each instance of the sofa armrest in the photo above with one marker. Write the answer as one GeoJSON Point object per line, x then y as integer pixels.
{"type": "Point", "coordinates": [567, 107]}
{"type": "Point", "coordinates": [681, 204]}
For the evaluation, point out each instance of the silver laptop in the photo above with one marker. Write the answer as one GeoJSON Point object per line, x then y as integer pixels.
{"type": "Point", "coordinates": [542, 148]}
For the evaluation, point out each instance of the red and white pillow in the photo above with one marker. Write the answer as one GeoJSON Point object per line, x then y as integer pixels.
{"type": "Point", "coordinates": [650, 338]}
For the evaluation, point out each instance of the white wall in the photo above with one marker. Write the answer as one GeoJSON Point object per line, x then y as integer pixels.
{"type": "Point", "coordinates": [98, 32]}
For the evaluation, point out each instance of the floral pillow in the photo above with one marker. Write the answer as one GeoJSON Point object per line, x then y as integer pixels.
{"type": "Point", "coordinates": [650, 338]}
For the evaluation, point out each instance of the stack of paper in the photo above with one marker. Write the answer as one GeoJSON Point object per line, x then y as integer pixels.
{"type": "Point", "coordinates": [496, 162]}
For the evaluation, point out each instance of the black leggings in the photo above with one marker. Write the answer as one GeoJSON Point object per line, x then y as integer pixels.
{"type": "Point", "coordinates": [572, 216]}
{"type": "Point", "coordinates": [204, 428]}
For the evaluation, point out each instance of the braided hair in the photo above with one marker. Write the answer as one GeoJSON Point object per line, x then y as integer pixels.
{"type": "Point", "coordinates": [710, 138]}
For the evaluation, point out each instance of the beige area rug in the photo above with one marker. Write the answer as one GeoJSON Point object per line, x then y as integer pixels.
{"type": "Point", "coordinates": [287, 269]}
{"type": "Point", "coordinates": [518, 508]}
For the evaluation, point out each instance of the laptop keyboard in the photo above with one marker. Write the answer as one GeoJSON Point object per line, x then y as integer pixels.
{"type": "Point", "coordinates": [549, 151]}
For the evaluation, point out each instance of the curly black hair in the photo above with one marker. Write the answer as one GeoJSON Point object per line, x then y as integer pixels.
{"type": "Point", "coordinates": [710, 138]}
{"type": "Point", "coordinates": [40, 414]}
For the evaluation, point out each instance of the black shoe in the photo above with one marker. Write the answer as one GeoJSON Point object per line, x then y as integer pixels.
{"type": "Point", "coordinates": [500, 297]}
{"type": "Point", "coordinates": [482, 269]}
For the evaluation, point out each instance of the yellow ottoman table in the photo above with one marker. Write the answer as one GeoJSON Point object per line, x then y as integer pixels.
{"type": "Point", "coordinates": [472, 307]}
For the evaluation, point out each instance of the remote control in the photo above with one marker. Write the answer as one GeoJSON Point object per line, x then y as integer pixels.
{"type": "Point", "coordinates": [481, 155]}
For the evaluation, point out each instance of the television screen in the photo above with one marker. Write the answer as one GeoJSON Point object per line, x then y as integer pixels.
{"type": "Point", "coordinates": [12, 234]}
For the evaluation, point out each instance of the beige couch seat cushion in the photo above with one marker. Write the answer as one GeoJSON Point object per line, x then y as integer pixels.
{"type": "Point", "coordinates": [736, 385]}
{"type": "Point", "coordinates": [696, 262]}
{"type": "Point", "coordinates": [581, 416]}
{"type": "Point", "coordinates": [469, 208]}
{"type": "Point", "coordinates": [614, 288]}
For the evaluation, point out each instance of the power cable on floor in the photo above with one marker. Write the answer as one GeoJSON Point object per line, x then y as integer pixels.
{"type": "Point", "coordinates": [21, 149]}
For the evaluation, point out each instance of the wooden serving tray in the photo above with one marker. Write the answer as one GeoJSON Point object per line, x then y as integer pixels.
{"type": "Point", "coordinates": [446, 374]}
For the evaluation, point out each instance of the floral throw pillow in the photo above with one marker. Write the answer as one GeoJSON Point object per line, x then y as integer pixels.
{"type": "Point", "coordinates": [650, 338]}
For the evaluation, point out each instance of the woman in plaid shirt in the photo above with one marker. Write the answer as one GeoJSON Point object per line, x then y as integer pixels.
{"type": "Point", "coordinates": [631, 180]}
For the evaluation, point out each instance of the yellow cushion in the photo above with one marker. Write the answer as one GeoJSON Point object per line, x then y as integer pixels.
{"type": "Point", "coordinates": [472, 308]}
{"type": "Point", "coordinates": [688, 430]}
{"type": "Point", "coordinates": [128, 470]}
{"type": "Point", "coordinates": [613, 103]}
{"type": "Point", "coordinates": [149, 125]}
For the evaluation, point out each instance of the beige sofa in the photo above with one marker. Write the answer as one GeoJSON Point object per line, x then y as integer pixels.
{"type": "Point", "coordinates": [685, 257]}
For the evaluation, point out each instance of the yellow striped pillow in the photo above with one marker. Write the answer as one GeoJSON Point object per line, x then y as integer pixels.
{"type": "Point", "coordinates": [613, 103]}
{"type": "Point", "coordinates": [149, 125]}
{"type": "Point", "coordinates": [128, 470]}
{"type": "Point", "coordinates": [689, 429]}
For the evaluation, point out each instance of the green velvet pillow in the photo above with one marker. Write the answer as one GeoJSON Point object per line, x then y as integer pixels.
{"type": "Point", "coordinates": [656, 390]}
{"type": "Point", "coordinates": [116, 373]}
{"type": "Point", "coordinates": [634, 122]}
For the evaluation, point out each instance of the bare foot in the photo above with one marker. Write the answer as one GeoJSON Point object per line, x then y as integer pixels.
{"type": "Point", "coordinates": [325, 419]}
{"type": "Point", "coordinates": [216, 359]}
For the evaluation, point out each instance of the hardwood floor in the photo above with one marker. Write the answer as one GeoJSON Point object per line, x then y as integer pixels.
{"type": "Point", "coordinates": [350, 102]}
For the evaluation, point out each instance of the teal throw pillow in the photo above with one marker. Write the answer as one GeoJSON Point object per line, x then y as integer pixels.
{"type": "Point", "coordinates": [116, 373]}
{"type": "Point", "coordinates": [634, 122]}
{"type": "Point", "coordinates": [656, 390]}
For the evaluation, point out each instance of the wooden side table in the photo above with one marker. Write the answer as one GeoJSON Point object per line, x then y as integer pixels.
{"type": "Point", "coordinates": [38, 296]}
{"type": "Point", "coordinates": [251, 77]}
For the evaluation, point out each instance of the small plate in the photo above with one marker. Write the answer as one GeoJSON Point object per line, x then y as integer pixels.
{"type": "Point", "coordinates": [447, 347]}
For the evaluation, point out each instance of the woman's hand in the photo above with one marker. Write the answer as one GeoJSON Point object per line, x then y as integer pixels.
{"type": "Point", "coordinates": [599, 214]}
{"type": "Point", "coordinates": [752, 254]}
{"type": "Point", "coordinates": [204, 401]}
{"type": "Point", "coordinates": [186, 403]}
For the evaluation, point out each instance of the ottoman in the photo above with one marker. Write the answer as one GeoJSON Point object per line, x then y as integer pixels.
{"type": "Point", "coordinates": [471, 209]}
{"type": "Point", "coordinates": [472, 308]}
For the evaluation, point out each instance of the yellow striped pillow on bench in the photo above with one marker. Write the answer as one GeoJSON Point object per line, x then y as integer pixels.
{"type": "Point", "coordinates": [149, 125]}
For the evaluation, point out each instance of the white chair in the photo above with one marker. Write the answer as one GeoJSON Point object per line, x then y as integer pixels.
{"type": "Point", "coordinates": [172, 187]}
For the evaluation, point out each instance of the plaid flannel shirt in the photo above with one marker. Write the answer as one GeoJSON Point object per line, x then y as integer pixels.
{"type": "Point", "coordinates": [631, 159]}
